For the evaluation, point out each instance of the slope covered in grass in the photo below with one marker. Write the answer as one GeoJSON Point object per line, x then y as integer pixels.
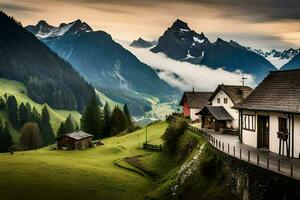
{"type": "Point", "coordinates": [17, 89]}
{"type": "Point", "coordinates": [89, 174]}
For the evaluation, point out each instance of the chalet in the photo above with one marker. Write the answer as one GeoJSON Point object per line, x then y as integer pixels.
{"type": "Point", "coordinates": [78, 140]}
{"type": "Point", "coordinates": [220, 114]}
{"type": "Point", "coordinates": [270, 115]}
{"type": "Point", "coordinates": [193, 102]}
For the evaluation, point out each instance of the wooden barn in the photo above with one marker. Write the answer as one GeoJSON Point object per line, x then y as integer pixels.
{"type": "Point", "coordinates": [78, 140]}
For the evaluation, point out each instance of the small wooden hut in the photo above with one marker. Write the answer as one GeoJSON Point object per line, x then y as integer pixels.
{"type": "Point", "coordinates": [77, 140]}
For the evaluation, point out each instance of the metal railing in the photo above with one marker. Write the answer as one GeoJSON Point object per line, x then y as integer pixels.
{"type": "Point", "coordinates": [278, 165]}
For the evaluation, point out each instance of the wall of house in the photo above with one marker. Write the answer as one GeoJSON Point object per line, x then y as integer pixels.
{"type": "Point", "coordinates": [228, 107]}
{"type": "Point", "coordinates": [296, 136]}
{"type": "Point", "coordinates": [186, 109]}
{"type": "Point", "coordinates": [193, 112]}
{"type": "Point", "coordinates": [250, 137]}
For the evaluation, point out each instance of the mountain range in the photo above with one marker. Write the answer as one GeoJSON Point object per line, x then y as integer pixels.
{"type": "Point", "coordinates": [106, 64]}
{"type": "Point", "coordinates": [141, 43]}
{"type": "Point", "coordinates": [47, 77]}
{"type": "Point", "coordinates": [294, 63]}
{"type": "Point", "coordinates": [181, 43]}
{"type": "Point", "coordinates": [276, 57]}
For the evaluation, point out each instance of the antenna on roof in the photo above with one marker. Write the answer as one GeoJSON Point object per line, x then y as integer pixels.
{"type": "Point", "coordinates": [243, 80]}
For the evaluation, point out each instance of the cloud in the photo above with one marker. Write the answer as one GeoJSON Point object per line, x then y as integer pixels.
{"type": "Point", "coordinates": [267, 10]}
{"type": "Point", "coordinates": [17, 7]}
{"type": "Point", "coordinates": [185, 76]}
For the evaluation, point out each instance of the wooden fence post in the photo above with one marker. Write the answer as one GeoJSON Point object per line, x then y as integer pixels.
{"type": "Point", "coordinates": [241, 153]}
{"type": "Point", "coordinates": [278, 165]}
{"type": "Point", "coordinates": [222, 146]}
{"type": "Point", "coordinates": [234, 151]}
{"type": "Point", "coordinates": [248, 156]}
{"type": "Point", "coordinates": [268, 162]}
{"type": "Point", "coordinates": [292, 169]}
{"type": "Point", "coordinates": [228, 148]}
{"type": "Point", "coordinates": [257, 159]}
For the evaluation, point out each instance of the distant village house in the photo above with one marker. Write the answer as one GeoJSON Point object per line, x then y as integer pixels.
{"type": "Point", "coordinates": [75, 141]}
{"type": "Point", "coordinates": [193, 102]}
{"type": "Point", "coordinates": [270, 115]}
{"type": "Point", "coordinates": [220, 115]}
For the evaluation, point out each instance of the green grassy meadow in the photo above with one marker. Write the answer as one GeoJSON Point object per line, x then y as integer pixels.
{"type": "Point", "coordinates": [19, 91]}
{"type": "Point", "coordinates": [89, 174]}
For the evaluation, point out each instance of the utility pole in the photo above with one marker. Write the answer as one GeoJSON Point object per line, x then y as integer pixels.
{"type": "Point", "coordinates": [243, 80]}
{"type": "Point", "coordinates": [146, 134]}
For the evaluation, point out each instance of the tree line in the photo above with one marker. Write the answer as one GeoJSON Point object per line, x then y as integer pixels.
{"type": "Point", "coordinates": [36, 130]}
{"type": "Point", "coordinates": [105, 123]}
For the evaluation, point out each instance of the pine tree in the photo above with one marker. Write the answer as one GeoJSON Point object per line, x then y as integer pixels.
{"type": "Point", "coordinates": [2, 103]}
{"type": "Point", "coordinates": [129, 123]}
{"type": "Point", "coordinates": [24, 115]}
{"type": "Point", "coordinates": [61, 130]}
{"type": "Point", "coordinates": [31, 137]}
{"type": "Point", "coordinates": [69, 125]}
{"type": "Point", "coordinates": [35, 116]}
{"type": "Point", "coordinates": [5, 138]}
{"type": "Point", "coordinates": [118, 121]}
{"type": "Point", "coordinates": [46, 128]}
{"type": "Point", "coordinates": [12, 109]}
{"type": "Point", "coordinates": [92, 119]}
{"type": "Point", "coordinates": [28, 106]}
{"type": "Point", "coordinates": [106, 121]}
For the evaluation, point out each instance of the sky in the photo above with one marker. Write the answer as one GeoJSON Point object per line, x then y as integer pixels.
{"type": "Point", "coordinates": [264, 24]}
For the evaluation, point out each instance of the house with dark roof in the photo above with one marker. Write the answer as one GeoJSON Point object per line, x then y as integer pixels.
{"type": "Point", "coordinates": [193, 102]}
{"type": "Point", "coordinates": [220, 114]}
{"type": "Point", "coordinates": [270, 115]}
{"type": "Point", "coordinates": [77, 140]}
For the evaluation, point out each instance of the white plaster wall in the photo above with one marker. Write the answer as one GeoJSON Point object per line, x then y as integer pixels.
{"type": "Point", "coordinates": [228, 107]}
{"type": "Point", "coordinates": [250, 137]}
{"type": "Point", "coordinates": [193, 115]}
{"type": "Point", "coordinates": [296, 136]}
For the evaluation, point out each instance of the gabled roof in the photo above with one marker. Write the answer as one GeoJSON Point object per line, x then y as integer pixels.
{"type": "Point", "coordinates": [196, 99]}
{"type": "Point", "coordinates": [279, 91]}
{"type": "Point", "coordinates": [78, 135]}
{"type": "Point", "coordinates": [235, 92]}
{"type": "Point", "coordinates": [218, 112]}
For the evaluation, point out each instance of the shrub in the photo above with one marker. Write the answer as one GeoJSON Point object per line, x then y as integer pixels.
{"type": "Point", "coordinates": [172, 135]}
{"type": "Point", "coordinates": [31, 137]}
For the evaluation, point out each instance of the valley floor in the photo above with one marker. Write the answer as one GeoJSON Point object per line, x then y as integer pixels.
{"type": "Point", "coordinates": [96, 173]}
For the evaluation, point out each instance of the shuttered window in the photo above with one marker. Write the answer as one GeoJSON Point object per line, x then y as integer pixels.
{"type": "Point", "coordinates": [249, 122]}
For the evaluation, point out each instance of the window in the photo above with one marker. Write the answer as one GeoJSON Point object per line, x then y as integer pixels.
{"type": "Point", "coordinates": [249, 122]}
{"type": "Point", "coordinates": [282, 125]}
{"type": "Point", "coordinates": [218, 100]}
{"type": "Point", "coordinates": [225, 100]}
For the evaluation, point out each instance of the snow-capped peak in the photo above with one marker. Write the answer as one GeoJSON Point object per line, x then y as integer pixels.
{"type": "Point", "coordinates": [43, 30]}
{"type": "Point", "coordinates": [277, 58]}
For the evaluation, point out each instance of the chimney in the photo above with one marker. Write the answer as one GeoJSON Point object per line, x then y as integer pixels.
{"type": "Point", "coordinates": [193, 90]}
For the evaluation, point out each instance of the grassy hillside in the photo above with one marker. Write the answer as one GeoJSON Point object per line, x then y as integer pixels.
{"type": "Point", "coordinates": [19, 91]}
{"type": "Point", "coordinates": [89, 174]}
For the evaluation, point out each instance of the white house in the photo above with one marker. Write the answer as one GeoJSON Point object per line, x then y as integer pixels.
{"type": "Point", "coordinates": [221, 114]}
{"type": "Point", "coordinates": [269, 117]}
{"type": "Point", "coordinates": [193, 102]}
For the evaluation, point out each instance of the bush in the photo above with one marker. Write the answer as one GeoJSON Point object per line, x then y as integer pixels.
{"type": "Point", "coordinates": [172, 135]}
{"type": "Point", "coordinates": [31, 137]}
